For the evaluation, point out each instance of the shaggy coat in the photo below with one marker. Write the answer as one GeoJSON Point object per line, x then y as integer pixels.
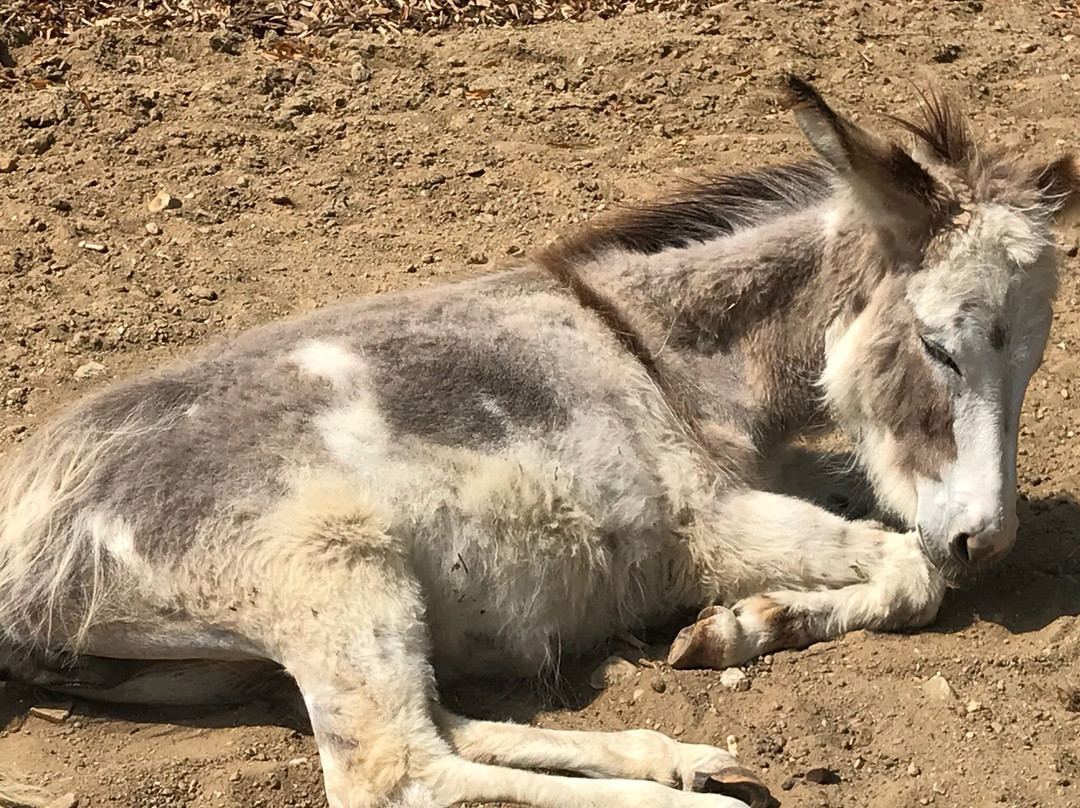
{"type": "Point", "coordinates": [493, 474]}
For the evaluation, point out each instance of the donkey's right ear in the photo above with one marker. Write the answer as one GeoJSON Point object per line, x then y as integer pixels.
{"type": "Point", "coordinates": [881, 173]}
{"type": "Point", "coordinates": [1058, 185]}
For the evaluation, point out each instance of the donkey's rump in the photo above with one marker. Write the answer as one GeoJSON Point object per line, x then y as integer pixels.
{"type": "Point", "coordinates": [495, 407]}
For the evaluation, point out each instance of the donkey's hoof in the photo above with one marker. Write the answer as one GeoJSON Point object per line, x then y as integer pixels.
{"type": "Point", "coordinates": [711, 642]}
{"type": "Point", "coordinates": [738, 783]}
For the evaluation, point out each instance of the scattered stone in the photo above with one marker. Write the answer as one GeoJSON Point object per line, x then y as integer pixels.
{"type": "Point", "coordinates": [659, 685]}
{"type": "Point", "coordinates": [823, 777]}
{"type": "Point", "coordinates": [788, 784]}
{"type": "Point", "coordinates": [996, 726]}
{"type": "Point", "coordinates": [39, 143]}
{"type": "Point", "coordinates": [68, 800]}
{"type": "Point", "coordinates": [297, 107]}
{"type": "Point", "coordinates": [163, 201]}
{"type": "Point", "coordinates": [936, 687]}
{"type": "Point", "coordinates": [225, 41]}
{"type": "Point", "coordinates": [6, 59]}
{"type": "Point", "coordinates": [612, 670]}
{"type": "Point", "coordinates": [283, 200]}
{"type": "Point", "coordinates": [203, 293]}
{"type": "Point", "coordinates": [1029, 47]}
{"type": "Point", "coordinates": [427, 258]}
{"type": "Point", "coordinates": [637, 695]}
{"type": "Point", "coordinates": [476, 258]}
{"type": "Point", "coordinates": [913, 770]}
{"type": "Point", "coordinates": [732, 745]}
{"type": "Point", "coordinates": [60, 205]}
{"type": "Point", "coordinates": [974, 706]}
{"type": "Point", "coordinates": [90, 370]}
{"type": "Point", "coordinates": [475, 171]}
{"type": "Point", "coordinates": [8, 163]}
{"type": "Point", "coordinates": [300, 761]}
{"type": "Point", "coordinates": [947, 54]}
{"type": "Point", "coordinates": [360, 72]}
{"type": "Point", "coordinates": [153, 228]}
{"type": "Point", "coordinates": [53, 712]}
{"type": "Point", "coordinates": [735, 679]}
{"type": "Point", "coordinates": [17, 396]}
{"type": "Point", "coordinates": [94, 246]}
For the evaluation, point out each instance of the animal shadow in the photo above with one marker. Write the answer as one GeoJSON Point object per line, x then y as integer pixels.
{"type": "Point", "coordinates": [1037, 583]}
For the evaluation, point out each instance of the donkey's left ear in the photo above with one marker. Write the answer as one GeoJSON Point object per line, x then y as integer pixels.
{"type": "Point", "coordinates": [887, 180]}
{"type": "Point", "coordinates": [1058, 183]}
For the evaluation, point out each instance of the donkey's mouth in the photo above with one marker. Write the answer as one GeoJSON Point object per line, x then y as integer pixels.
{"type": "Point", "coordinates": [957, 572]}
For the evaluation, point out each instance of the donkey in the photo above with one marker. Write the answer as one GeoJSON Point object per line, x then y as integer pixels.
{"type": "Point", "coordinates": [487, 475]}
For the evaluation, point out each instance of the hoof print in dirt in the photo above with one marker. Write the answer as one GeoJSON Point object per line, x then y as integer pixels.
{"type": "Point", "coordinates": [738, 783]}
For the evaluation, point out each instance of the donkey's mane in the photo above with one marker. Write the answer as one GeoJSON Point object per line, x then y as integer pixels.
{"type": "Point", "coordinates": [701, 211]}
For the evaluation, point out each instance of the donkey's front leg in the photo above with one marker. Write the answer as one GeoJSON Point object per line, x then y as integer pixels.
{"type": "Point", "coordinates": [804, 575]}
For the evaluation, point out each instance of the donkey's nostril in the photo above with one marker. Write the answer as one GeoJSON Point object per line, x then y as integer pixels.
{"type": "Point", "coordinates": [960, 548]}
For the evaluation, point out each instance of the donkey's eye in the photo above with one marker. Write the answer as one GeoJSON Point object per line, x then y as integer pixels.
{"type": "Point", "coordinates": [940, 355]}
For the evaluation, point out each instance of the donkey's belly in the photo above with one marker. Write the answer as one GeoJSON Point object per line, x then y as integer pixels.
{"type": "Point", "coordinates": [520, 610]}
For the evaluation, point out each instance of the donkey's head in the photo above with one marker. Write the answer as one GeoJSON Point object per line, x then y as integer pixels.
{"type": "Point", "coordinates": [929, 356]}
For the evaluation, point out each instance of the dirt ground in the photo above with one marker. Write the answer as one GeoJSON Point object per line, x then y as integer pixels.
{"type": "Point", "coordinates": [367, 162]}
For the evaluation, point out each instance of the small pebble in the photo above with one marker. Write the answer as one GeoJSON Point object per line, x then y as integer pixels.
{"type": "Point", "coordinates": [611, 670]}
{"type": "Point", "coordinates": [360, 72]}
{"type": "Point", "coordinates": [735, 679]}
{"type": "Point", "coordinates": [39, 143]}
{"type": "Point", "coordinates": [163, 201]}
{"type": "Point", "coordinates": [90, 370]}
{"type": "Point", "coordinates": [823, 777]}
{"type": "Point", "coordinates": [936, 687]}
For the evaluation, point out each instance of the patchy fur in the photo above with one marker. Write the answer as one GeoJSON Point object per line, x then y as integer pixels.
{"type": "Point", "coordinates": [493, 474]}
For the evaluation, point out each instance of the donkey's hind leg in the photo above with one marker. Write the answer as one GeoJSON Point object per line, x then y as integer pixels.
{"type": "Point", "coordinates": [639, 754]}
{"type": "Point", "coordinates": [340, 609]}
{"type": "Point", "coordinates": [819, 576]}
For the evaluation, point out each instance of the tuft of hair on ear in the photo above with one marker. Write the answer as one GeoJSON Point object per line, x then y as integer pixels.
{"type": "Point", "coordinates": [941, 127]}
{"type": "Point", "coordinates": [1058, 185]}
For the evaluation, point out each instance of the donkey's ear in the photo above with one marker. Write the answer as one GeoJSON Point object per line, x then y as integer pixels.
{"type": "Point", "coordinates": [881, 173]}
{"type": "Point", "coordinates": [1058, 183]}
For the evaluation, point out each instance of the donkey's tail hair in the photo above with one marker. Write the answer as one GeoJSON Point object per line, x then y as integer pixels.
{"type": "Point", "coordinates": [52, 570]}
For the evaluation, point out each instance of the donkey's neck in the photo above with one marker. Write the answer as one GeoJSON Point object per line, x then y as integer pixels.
{"type": "Point", "coordinates": [737, 325]}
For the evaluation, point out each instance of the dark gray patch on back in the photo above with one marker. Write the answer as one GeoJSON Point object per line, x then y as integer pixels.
{"type": "Point", "coordinates": [212, 433]}
{"type": "Point", "coordinates": [457, 392]}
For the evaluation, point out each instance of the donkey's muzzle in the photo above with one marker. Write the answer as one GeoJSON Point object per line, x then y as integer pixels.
{"type": "Point", "coordinates": [980, 550]}
{"type": "Point", "coordinates": [961, 557]}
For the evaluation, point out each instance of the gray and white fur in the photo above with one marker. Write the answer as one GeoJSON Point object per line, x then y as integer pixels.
{"type": "Point", "coordinates": [494, 474]}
